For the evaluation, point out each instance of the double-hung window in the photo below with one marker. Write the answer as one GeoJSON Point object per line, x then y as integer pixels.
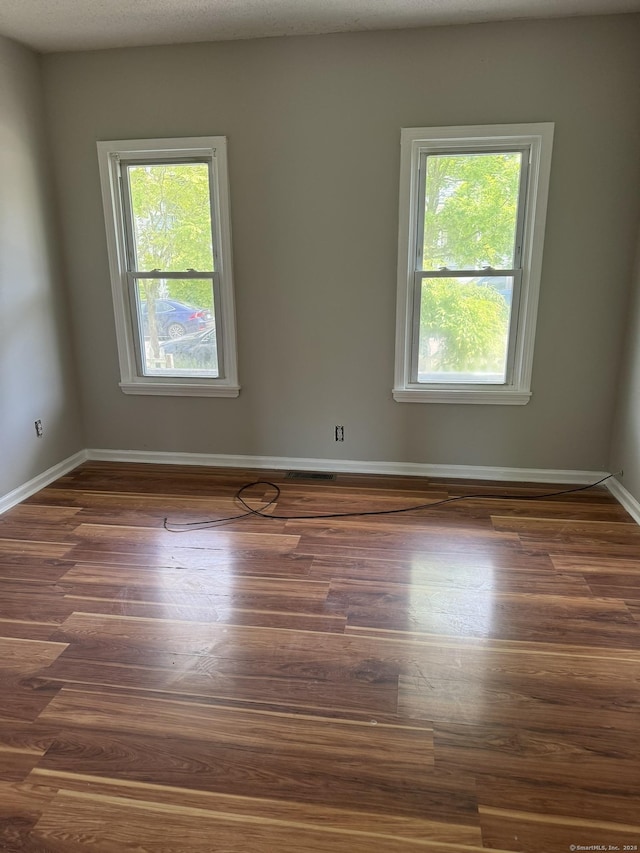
{"type": "Point", "coordinates": [166, 204]}
{"type": "Point", "coordinates": [472, 211]}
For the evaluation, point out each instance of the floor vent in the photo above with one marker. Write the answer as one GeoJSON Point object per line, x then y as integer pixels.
{"type": "Point", "coordinates": [309, 475]}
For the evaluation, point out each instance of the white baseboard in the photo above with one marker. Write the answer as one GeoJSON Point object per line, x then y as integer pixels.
{"type": "Point", "coordinates": [27, 489]}
{"type": "Point", "coordinates": [625, 498]}
{"type": "Point", "coordinates": [352, 466]}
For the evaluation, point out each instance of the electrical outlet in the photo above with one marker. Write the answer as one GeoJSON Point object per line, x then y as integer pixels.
{"type": "Point", "coordinates": [339, 433]}
{"type": "Point", "coordinates": [39, 429]}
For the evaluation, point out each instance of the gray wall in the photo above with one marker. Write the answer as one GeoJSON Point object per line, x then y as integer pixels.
{"type": "Point", "coordinates": [37, 378]}
{"type": "Point", "coordinates": [313, 126]}
{"type": "Point", "coordinates": [625, 451]}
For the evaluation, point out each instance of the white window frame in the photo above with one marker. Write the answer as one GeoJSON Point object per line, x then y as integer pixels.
{"type": "Point", "coordinates": [537, 140]}
{"type": "Point", "coordinates": [213, 149]}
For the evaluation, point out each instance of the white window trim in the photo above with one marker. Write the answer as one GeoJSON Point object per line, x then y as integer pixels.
{"type": "Point", "coordinates": [208, 146]}
{"type": "Point", "coordinates": [413, 142]}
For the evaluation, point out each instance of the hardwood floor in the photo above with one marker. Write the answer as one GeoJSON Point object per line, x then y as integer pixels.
{"type": "Point", "coordinates": [458, 679]}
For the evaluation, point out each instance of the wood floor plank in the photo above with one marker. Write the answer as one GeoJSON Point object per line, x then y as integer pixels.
{"type": "Point", "coordinates": [581, 544]}
{"type": "Point", "coordinates": [239, 564]}
{"type": "Point", "coordinates": [314, 686]}
{"type": "Point", "coordinates": [210, 612]}
{"type": "Point", "coordinates": [213, 596]}
{"type": "Point", "coordinates": [178, 586]}
{"type": "Point", "coordinates": [254, 664]}
{"type": "Point", "coordinates": [22, 745]}
{"type": "Point", "coordinates": [38, 522]}
{"type": "Point", "coordinates": [119, 536]}
{"type": "Point", "coordinates": [85, 499]}
{"type": "Point", "coordinates": [29, 568]}
{"type": "Point", "coordinates": [207, 723]}
{"type": "Point", "coordinates": [27, 656]}
{"type": "Point", "coordinates": [624, 531]}
{"type": "Point", "coordinates": [31, 738]}
{"type": "Point", "coordinates": [22, 697]}
{"type": "Point", "coordinates": [509, 687]}
{"type": "Point", "coordinates": [33, 601]}
{"type": "Point", "coordinates": [594, 759]}
{"type": "Point", "coordinates": [574, 805]}
{"type": "Point", "coordinates": [327, 772]}
{"type": "Point", "coordinates": [571, 508]}
{"type": "Point", "coordinates": [127, 638]}
{"type": "Point", "coordinates": [16, 764]}
{"type": "Point", "coordinates": [530, 833]}
{"type": "Point", "coordinates": [84, 822]}
{"type": "Point", "coordinates": [411, 644]}
{"type": "Point", "coordinates": [39, 514]}
{"type": "Point", "coordinates": [378, 825]}
{"type": "Point", "coordinates": [176, 557]}
{"type": "Point", "coordinates": [19, 547]}
{"type": "Point", "coordinates": [530, 617]}
{"type": "Point", "coordinates": [420, 551]}
{"type": "Point", "coordinates": [451, 574]}
{"type": "Point", "coordinates": [136, 639]}
{"type": "Point", "coordinates": [21, 806]}
{"type": "Point", "coordinates": [605, 577]}
{"type": "Point", "coordinates": [359, 533]}
{"type": "Point", "coordinates": [25, 629]}
{"type": "Point", "coordinates": [602, 564]}
{"type": "Point", "coordinates": [242, 752]}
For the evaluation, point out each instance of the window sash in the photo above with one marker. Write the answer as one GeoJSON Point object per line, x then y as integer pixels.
{"type": "Point", "coordinates": [418, 277]}
{"type": "Point", "coordinates": [134, 274]}
{"type": "Point", "coordinates": [470, 150]}
{"type": "Point", "coordinates": [127, 205]}
{"type": "Point", "coordinates": [136, 315]}
{"type": "Point", "coordinates": [420, 273]}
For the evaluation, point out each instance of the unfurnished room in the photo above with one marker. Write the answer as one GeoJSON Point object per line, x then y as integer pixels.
{"type": "Point", "coordinates": [320, 426]}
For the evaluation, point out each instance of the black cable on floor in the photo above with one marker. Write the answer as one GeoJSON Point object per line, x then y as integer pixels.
{"type": "Point", "coordinates": [183, 527]}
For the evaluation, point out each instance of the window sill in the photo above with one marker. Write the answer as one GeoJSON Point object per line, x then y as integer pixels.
{"type": "Point", "coordinates": [491, 397]}
{"type": "Point", "coordinates": [179, 390]}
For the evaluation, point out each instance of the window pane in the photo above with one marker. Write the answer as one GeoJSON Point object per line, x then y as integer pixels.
{"type": "Point", "coordinates": [171, 216]}
{"type": "Point", "coordinates": [177, 327]}
{"type": "Point", "coordinates": [464, 329]}
{"type": "Point", "coordinates": [470, 210]}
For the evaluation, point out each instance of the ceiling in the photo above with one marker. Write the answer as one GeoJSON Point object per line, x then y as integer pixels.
{"type": "Point", "coordinates": [60, 25]}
